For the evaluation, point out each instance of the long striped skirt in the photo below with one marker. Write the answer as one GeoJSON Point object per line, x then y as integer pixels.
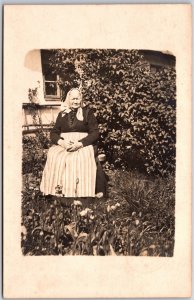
{"type": "Point", "coordinates": [73, 172]}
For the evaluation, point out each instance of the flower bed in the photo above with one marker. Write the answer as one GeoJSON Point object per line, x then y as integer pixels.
{"type": "Point", "coordinates": [137, 218]}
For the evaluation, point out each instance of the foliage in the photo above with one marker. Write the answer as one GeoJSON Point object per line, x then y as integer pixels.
{"type": "Point", "coordinates": [136, 108]}
{"type": "Point", "coordinates": [34, 152]}
{"type": "Point", "coordinates": [156, 197]}
{"type": "Point", "coordinates": [34, 147]}
{"type": "Point", "coordinates": [136, 219]}
{"type": "Point", "coordinates": [33, 93]}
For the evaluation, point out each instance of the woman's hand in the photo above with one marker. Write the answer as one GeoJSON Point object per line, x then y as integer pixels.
{"type": "Point", "coordinates": [75, 146]}
{"type": "Point", "coordinates": [64, 144]}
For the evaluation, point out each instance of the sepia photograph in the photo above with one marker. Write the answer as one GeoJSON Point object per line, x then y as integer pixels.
{"type": "Point", "coordinates": [99, 153]}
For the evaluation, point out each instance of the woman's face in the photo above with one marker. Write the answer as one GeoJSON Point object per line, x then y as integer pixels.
{"type": "Point", "coordinates": [75, 99]}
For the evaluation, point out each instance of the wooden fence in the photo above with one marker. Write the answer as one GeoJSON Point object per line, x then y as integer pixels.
{"type": "Point", "coordinates": [36, 116]}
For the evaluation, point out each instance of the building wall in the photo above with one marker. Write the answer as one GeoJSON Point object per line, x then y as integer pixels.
{"type": "Point", "coordinates": [31, 72]}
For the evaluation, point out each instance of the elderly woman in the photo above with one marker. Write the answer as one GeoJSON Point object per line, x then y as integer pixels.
{"type": "Point", "coordinates": [71, 162]}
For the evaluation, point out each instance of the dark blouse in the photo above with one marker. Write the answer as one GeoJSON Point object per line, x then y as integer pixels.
{"type": "Point", "coordinates": [69, 123]}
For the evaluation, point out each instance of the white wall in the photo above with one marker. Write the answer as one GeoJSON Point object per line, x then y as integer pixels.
{"type": "Point", "coordinates": [30, 76]}
{"type": "Point", "coordinates": [30, 70]}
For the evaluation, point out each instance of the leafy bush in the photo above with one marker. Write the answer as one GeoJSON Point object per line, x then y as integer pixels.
{"type": "Point", "coordinates": [136, 109]}
{"type": "Point", "coordinates": [34, 152]}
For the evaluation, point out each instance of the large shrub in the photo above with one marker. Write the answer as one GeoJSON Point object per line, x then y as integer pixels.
{"type": "Point", "coordinates": [136, 108]}
{"type": "Point", "coordinates": [34, 152]}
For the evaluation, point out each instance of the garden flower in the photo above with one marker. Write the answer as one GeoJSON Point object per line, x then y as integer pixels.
{"type": "Point", "coordinates": [137, 222]}
{"type": "Point", "coordinates": [153, 246]}
{"type": "Point", "coordinates": [99, 195]}
{"type": "Point", "coordinates": [144, 253]}
{"type": "Point", "coordinates": [113, 207]}
{"type": "Point", "coordinates": [58, 190]}
{"type": "Point", "coordinates": [60, 216]}
{"type": "Point", "coordinates": [89, 210]}
{"type": "Point", "coordinates": [102, 157]}
{"type": "Point", "coordinates": [108, 208]}
{"type": "Point", "coordinates": [59, 194]}
{"type": "Point", "coordinates": [84, 212]}
{"type": "Point", "coordinates": [77, 203]}
{"type": "Point", "coordinates": [117, 204]}
{"type": "Point", "coordinates": [133, 213]}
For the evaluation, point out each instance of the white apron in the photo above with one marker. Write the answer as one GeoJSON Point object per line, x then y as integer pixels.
{"type": "Point", "coordinates": [74, 172]}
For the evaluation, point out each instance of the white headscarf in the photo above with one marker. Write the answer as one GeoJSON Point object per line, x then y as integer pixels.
{"type": "Point", "coordinates": [66, 107]}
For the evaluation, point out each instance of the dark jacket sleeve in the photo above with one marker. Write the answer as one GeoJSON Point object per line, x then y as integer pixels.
{"type": "Point", "coordinates": [93, 132]}
{"type": "Point", "coordinates": [56, 130]}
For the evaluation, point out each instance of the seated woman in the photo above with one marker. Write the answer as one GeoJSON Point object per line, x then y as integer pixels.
{"type": "Point", "coordinates": [71, 162]}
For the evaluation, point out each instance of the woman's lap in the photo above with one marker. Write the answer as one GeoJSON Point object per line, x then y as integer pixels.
{"type": "Point", "coordinates": [75, 172]}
